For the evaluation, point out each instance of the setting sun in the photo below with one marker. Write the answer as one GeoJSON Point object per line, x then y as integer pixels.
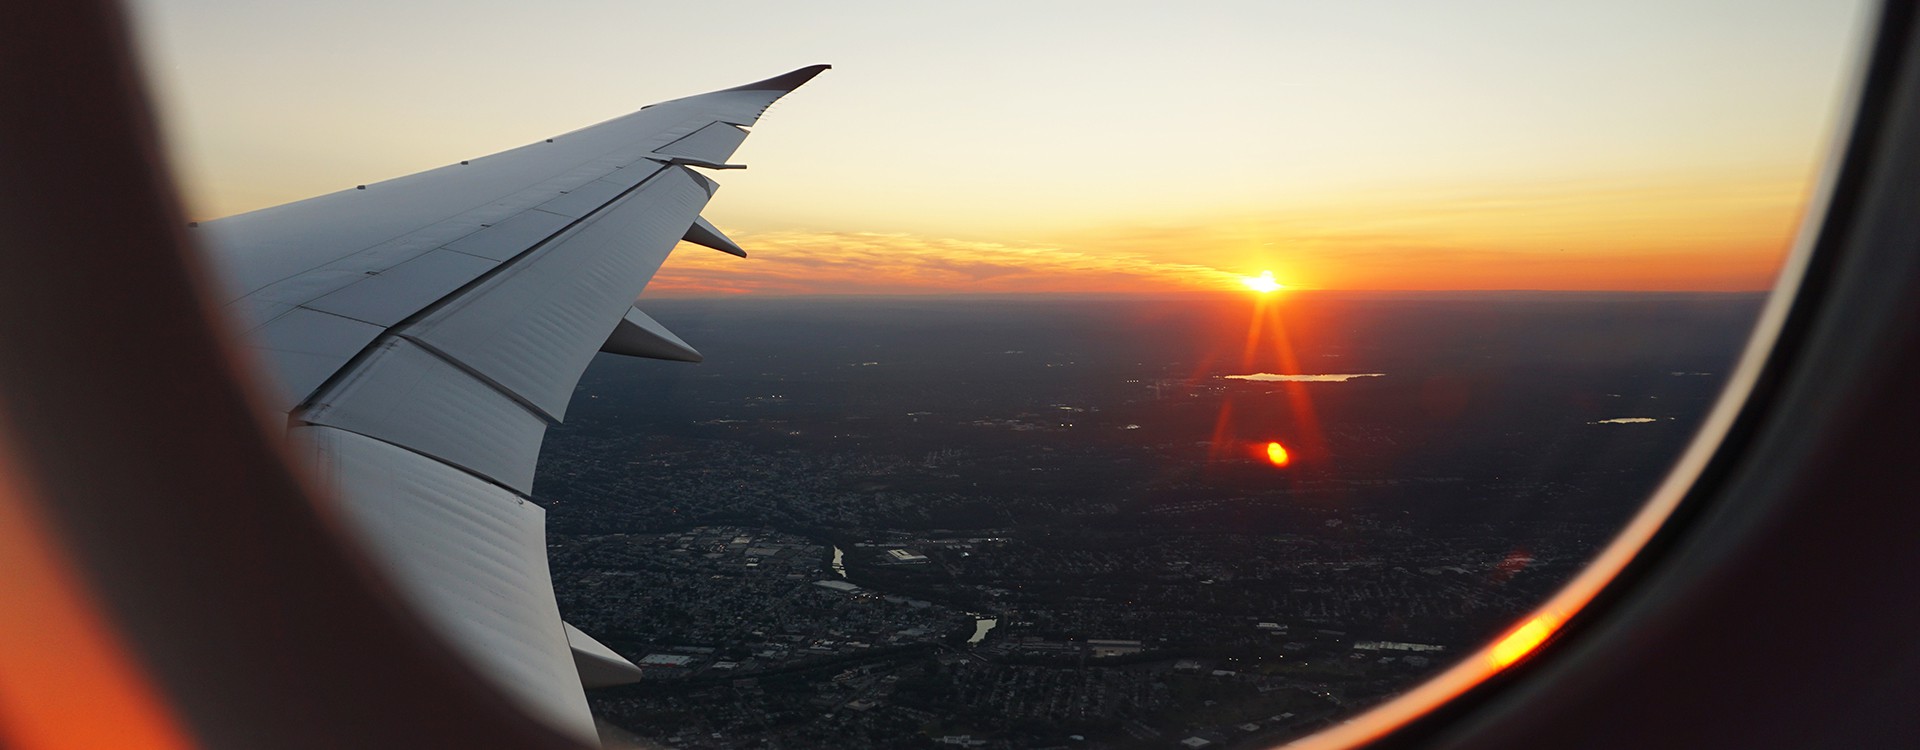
{"type": "Point", "coordinates": [1277, 454]}
{"type": "Point", "coordinates": [1263, 283]}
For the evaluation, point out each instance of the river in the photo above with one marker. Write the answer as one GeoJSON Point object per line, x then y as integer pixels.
{"type": "Point", "coordinates": [980, 628]}
{"type": "Point", "coordinates": [980, 624]}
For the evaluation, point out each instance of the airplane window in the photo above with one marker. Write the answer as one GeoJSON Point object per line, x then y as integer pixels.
{"type": "Point", "coordinates": [1102, 376]}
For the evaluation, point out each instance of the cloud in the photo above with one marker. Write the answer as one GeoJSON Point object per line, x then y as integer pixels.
{"type": "Point", "coordinates": [1727, 233]}
{"type": "Point", "coordinates": [873, 263]}
{"type": "Point", "coordinates": [1724, 233]}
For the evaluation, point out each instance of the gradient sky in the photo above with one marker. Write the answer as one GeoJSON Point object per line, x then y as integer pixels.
{"type": "Point", "coordinates": [1080, 146]}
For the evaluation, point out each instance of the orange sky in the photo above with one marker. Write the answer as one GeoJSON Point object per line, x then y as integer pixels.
{"type": "Point", "coordinates": [1706, 235]}
{"type": "Point", "coordinates": [1080, 146]}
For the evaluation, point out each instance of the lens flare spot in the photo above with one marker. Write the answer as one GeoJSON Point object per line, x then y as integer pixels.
{"type": "Point", "coordinates": [1263, 283]}
{"type": "Point", "coordinates": [1277, 454]}
{"type": "Point", "coordinates": [1523, 640]}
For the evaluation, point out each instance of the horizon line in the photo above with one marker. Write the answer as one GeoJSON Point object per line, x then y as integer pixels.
{"type": "Point", "coordinates": [1200, 293]}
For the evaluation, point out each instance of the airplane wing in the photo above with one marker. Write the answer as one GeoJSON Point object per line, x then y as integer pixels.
{"type": "Point", "coordinates": [425, 330]}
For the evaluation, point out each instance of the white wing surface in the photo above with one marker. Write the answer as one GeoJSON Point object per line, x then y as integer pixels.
{"type": "Point", "coordinates": [425, 330]}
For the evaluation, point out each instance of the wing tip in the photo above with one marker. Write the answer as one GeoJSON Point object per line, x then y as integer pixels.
{"type": "Point", "coordinates": [785, 81]}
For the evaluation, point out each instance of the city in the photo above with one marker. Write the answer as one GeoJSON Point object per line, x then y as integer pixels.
{"type": "Point", "coordinates": [1046, 561]}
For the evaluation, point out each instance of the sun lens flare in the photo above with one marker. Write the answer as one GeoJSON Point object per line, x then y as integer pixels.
{"type": "Point", "coordinates": [1263, 283]}
{"type": "Point", "coordinates": [1523, 640]}
{"type": "Point", "coordinates": [1277, 455]}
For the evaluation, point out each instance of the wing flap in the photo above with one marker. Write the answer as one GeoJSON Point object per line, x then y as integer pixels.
{"type": "Point", "coordinates": [305, 347]}
{"type": "Point", "coordinates": [471, 555]}
{"type": "Point", "coordinates": [585, 199]}
{"type": "Point", "coordinates": [388, 297]}
{"type": "Point", "coordinates": [512, 236]}
{"type": "Point", "coordinates": [406, 395]}
{"type": "Point", "coordinates": [715, 142]}
{"type": "Point", "coordinates": [532, 328]}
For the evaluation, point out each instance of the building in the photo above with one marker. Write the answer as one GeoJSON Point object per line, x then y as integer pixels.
{"type": "Point", "coordinates": [906, 557]}
{"type": "Point", "coordinates": [1394, 646]}
{"type": "Point", "coordinates": [666, 660]}
{"type": "Point", "coordinates": [1103, 647]}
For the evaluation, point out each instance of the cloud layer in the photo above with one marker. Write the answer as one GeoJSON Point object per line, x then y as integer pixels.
{"type": "Point", "coordinates": [872, 263]}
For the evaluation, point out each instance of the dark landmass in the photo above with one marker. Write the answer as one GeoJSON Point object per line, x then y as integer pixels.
{"type": "Point", "coordinates": [1081, 473]}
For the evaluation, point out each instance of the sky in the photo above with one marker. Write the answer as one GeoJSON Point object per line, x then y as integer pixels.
{"type": "Point", "coordinates": [1058, 147]}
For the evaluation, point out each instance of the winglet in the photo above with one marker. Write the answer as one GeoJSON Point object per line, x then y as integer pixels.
{"type": "Point", "coordinates": [784, 81]}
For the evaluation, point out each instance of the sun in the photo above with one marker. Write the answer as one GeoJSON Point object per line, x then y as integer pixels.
{"type": "Point", "coordinates": [1263, 283]}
